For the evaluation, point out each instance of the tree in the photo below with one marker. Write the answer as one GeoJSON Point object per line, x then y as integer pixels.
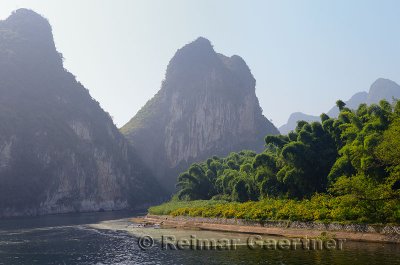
{"type": "Point", "coordinates": [196, 183]}
{"type": "Point", "coordinates": [240, 191]}
{"type": "Point", "coordinates": [355, 158]}
{"type": "Point", "coordinates": [340, 104]}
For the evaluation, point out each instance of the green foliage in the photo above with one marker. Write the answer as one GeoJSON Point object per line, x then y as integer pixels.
{"type": "Point", "coordinates": [145, 115]}
{"type": "Point", "coordinates": [344, 169]}
{"type": "Point", "coordinates": [320, 208]}
{"type": "Point", "coordinates": [219, 177]}
{"type": "Point", "coordinates": [173, 205]}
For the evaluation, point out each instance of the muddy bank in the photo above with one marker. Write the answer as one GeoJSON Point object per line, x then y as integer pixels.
{"type": "Point", "coordinates": [353, 232]}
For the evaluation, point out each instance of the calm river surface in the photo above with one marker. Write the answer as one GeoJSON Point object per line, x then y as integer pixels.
{"type": "Point", "coordinates": [108, 238]}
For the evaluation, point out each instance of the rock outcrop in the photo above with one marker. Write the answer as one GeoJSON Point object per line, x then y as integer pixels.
{"type": "Point", "coordinates": [206, 106]}
{"type": "Point", "coordinates": [59, 151]}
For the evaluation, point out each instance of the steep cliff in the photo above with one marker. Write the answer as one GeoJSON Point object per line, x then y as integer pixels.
{"type": "Point", "coordinates": [59, 151]}
{"type": "Point", "coordinates": [206, 106]}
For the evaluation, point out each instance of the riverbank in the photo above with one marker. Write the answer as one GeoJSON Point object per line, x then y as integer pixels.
{"type": "Point", "coordinates": [352, 232]}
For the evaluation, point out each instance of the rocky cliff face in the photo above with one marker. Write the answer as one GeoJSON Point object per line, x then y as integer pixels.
{"type": "Point", "coordinates": [380, 89]}
{"type": "Point", "coordinates": [206, 106]}
{"type": "Point", "coordinates": [59, 151]}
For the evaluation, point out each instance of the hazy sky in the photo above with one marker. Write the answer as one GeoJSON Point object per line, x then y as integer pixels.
{"type": "Point", "coordinates": [304, 54]}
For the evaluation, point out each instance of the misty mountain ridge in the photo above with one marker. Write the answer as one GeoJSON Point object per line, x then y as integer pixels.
{"type": "Point", "coordinates": [379, 90]}
{"type": "Point", "coordinates": [59, 150]}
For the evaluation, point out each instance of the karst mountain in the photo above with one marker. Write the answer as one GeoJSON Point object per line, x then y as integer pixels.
{"type": "Point", "coordinates": [206, 106]}
{"type": "Point", "coordinates": [59, 150]}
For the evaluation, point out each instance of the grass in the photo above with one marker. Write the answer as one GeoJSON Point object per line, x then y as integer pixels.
{"type": "Point", "coordinates": [320, 208]}
{"type": "Point", "coordinates": [174, 205]}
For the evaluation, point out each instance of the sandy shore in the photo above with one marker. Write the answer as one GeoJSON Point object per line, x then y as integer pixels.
{"type": "Point", "coordinates": [367, 233]}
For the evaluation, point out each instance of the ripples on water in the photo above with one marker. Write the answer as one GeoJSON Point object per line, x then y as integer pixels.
{"type": "Point", "coordinates": [68, 239]}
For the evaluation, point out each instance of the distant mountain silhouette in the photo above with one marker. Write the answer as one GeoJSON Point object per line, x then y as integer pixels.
{"type": "Point", "coordinates": [380, 89]}
{"type": "Point", "coordinates": [293, 119]}
{"type": "Point", "coordinates": [352, 103]}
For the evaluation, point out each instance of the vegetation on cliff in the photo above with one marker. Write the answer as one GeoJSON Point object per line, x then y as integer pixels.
{"type": "Point", "coordinates": [206, 105]}
{"type": "Point", "coordinates": [343, 169]}
{"type": "Point", "coordinates": [59, 150]}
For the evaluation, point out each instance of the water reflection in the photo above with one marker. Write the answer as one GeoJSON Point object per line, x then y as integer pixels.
{"type": "Point", "coordinates": [105, 238]}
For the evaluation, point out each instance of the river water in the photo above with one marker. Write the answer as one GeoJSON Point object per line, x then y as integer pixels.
{"type": "Point", "coordinates": [109, 238]}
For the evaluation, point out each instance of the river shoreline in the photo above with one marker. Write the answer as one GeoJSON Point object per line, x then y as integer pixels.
{"type": "Point", "coordinates": [352, 232]}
